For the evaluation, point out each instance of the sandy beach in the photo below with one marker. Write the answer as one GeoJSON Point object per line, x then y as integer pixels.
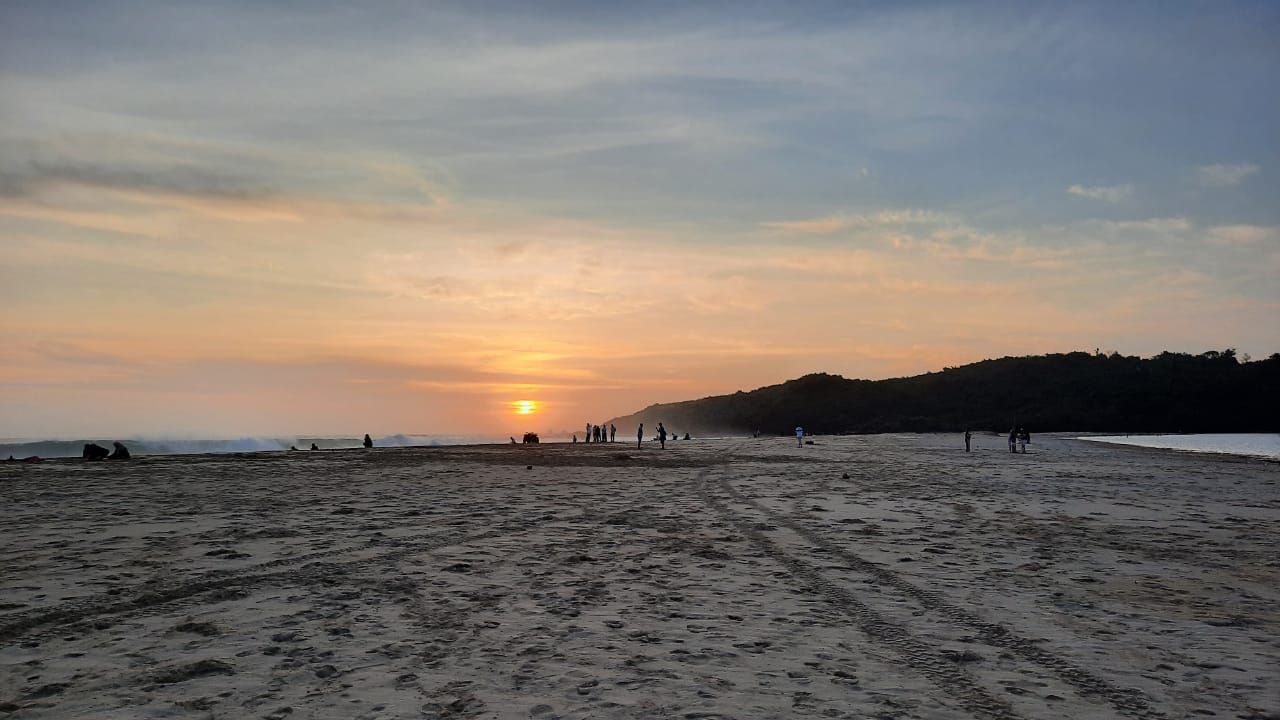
{"type": "Point", "coordinates": [873, 576]}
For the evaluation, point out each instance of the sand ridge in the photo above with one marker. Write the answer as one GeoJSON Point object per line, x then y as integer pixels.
{"type": "Point", "coordinates": [882, 576]}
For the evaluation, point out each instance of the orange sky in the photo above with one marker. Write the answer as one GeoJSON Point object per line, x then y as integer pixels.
{"type": "Point", "coordinates": [291, 315]}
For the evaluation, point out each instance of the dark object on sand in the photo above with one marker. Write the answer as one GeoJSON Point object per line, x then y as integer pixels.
{"type": "Point", "coordinates": [368, 441]}
{"type": "Point", "coordinates": [528, 467]}
{"type": "Point", "coordinates": [94, 451]}
{"type": "Point", "coordinates": [531, 438]}
{"type": "Point", "coordinates": [292, 448]}
{"type": "Point", "coordinates": [314, 446]}
{"type": "Point", "coordinates": [808, 442]}
{"type": "Point", "coordinates": [32, 459]}
{"type": "Point", "coordinates": [686, 436]}
{"type": "Point", "coordinates": [121, 452]}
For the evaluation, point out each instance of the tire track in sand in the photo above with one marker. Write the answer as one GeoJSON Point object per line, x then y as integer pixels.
{"type": "Point", "coordinates": [1128, 701]}
{"type": "Point", "coordinates": [917, 655]}
{"type": "Point", "coordinates": [147, 596]}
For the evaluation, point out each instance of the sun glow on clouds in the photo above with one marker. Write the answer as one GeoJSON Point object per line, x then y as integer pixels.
{"type": "Point", "coordinates": [525, 407]}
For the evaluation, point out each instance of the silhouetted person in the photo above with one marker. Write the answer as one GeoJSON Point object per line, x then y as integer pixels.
{"type": "Point", "coordinates": [368, 441]}
{"type": "Point", "coordinates": [799, 436]}
{"type": "Point", "coordinates": [686, 436]}
{"type": "Point", "coordinates": [314, 446]}
{"type": "Point", "coordinates": [662, 436]}
{"type": "Point", "coordinates": [1013, 438]}
{"type": "Point", "coordinates": [587, 435]}
{"type": "Point", "coordinates": [1023, 438]}
{"type": "Point", "coordinates": [639, 435]}
{"type": "Point", "coordinates": [967, 437]}
{"type": "Point", "coordinates": [94, 451]}
{"type": "Point", "coordinates": [121, 452]}
{"type": "Point", "coordinates": [613, 433]}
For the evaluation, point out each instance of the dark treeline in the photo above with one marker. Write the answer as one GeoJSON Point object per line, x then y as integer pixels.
{"type": "Point", "coordinates": [1171, 392]}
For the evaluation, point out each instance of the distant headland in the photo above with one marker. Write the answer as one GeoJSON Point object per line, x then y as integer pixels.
{"type": "Point", "coordinates": [1215, 391]}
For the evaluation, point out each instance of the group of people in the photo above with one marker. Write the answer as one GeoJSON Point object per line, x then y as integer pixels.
{"type": "Point", "coordinates": [609, 433]}
{"type": "Point", "coordinates": [599, 433]}
{"type": "Point", "coordinates": [1018, 439]}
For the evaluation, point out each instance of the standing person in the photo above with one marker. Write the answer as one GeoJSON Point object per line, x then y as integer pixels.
{"type": "Point", "coordinates": [368, 441]}
{"type": "Point", "coordinates": [639, 435]}
{"type": "Point", "coordinates": [799, 436]}
{"type": "Point", "coordinates": [575, 439]}
{"type": "Point", "coordinates": [1023, 437]}
{"type": "Point", "coordinates": [1013, 438]}
{"type": "Point", "coordinates": [613, 433]}
{"type": "Point", "coordinates": [967, 437]}
{"type": "Point", "coordinates": [662, 436]}
{"type": "Point", "coordinates": [586, 436]}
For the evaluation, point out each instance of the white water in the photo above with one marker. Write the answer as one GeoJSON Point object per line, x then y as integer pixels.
{"type": "Point", "coordinates": [184, 446]}
{"type": "Point", "coordinates": [1266, 445]}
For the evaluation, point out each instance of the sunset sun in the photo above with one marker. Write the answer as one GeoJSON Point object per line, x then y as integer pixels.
{"type": "Point", "coordinates": [525, 407]}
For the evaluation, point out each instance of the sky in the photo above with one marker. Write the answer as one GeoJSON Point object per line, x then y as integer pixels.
{"type": "Point", "coordinates": [243, 218]}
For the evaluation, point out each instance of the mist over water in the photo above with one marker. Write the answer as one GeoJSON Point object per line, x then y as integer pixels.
{"type": "Point", "coordinates": [185, 446]}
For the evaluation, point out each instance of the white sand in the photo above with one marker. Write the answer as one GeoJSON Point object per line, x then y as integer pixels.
{"type": "Point", "coordinates": [743, 578]}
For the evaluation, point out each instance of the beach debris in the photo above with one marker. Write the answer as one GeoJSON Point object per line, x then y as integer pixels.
{"type": "Point", "coordinates": [94, 451]}
{"type": "Point", "coordinates": [48, 690]}
{"type": "Point", "coordinates": [199, 628]}
{"type": "Point", "coordinates": [191, 671]}
{"type": "Point", "coordinates": [528, 467]}
{"type": "Point", "coordinates": [227, 554]}
{"type": "Point", "coordinates": [961, 656]}
{"type": "Point", "coordinates": [121, 452]}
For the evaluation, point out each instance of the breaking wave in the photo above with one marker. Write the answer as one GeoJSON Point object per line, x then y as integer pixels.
{"type": "Point", "coordinates": [174, 446]}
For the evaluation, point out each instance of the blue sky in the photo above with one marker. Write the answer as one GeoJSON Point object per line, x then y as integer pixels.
{"type": "Point", "coordinates": [1062, 176]}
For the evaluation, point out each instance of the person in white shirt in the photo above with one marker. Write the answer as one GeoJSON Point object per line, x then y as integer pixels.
{"type": "Point", "coordinates": [799, 436]}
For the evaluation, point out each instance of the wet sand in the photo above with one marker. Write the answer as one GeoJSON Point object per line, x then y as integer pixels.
{"type": "Point", "coordinates": [878, 576]}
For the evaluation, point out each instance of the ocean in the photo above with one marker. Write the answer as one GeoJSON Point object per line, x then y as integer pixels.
{"type": "Point", "coordinates": [169, 446]}
{"type": "Point", "coordinates": [1264, 445]}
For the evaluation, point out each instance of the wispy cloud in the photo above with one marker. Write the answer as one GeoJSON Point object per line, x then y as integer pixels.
{"type": "Point", "coordinates": [1105, 193]}
{"type": "Point", "coordinates": [1222, 176]}
{"type": "Point", "coordinates": [831, 224]}
{"type": "Point", "coordinates": [813, 226]}
{"type": "Point", "coordinates": [1243, 234]}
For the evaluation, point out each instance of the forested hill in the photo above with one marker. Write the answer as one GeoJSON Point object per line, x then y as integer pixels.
{"type": "Point", "coordinates": [1171, 392]}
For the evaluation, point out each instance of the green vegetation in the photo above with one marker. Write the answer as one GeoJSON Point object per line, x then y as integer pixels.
{"type": "Point", "coordinates": [1171, 392]}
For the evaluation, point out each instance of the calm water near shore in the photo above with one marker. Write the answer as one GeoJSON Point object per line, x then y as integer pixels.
{"type": "Point", "coordinates": [1265, 445]}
